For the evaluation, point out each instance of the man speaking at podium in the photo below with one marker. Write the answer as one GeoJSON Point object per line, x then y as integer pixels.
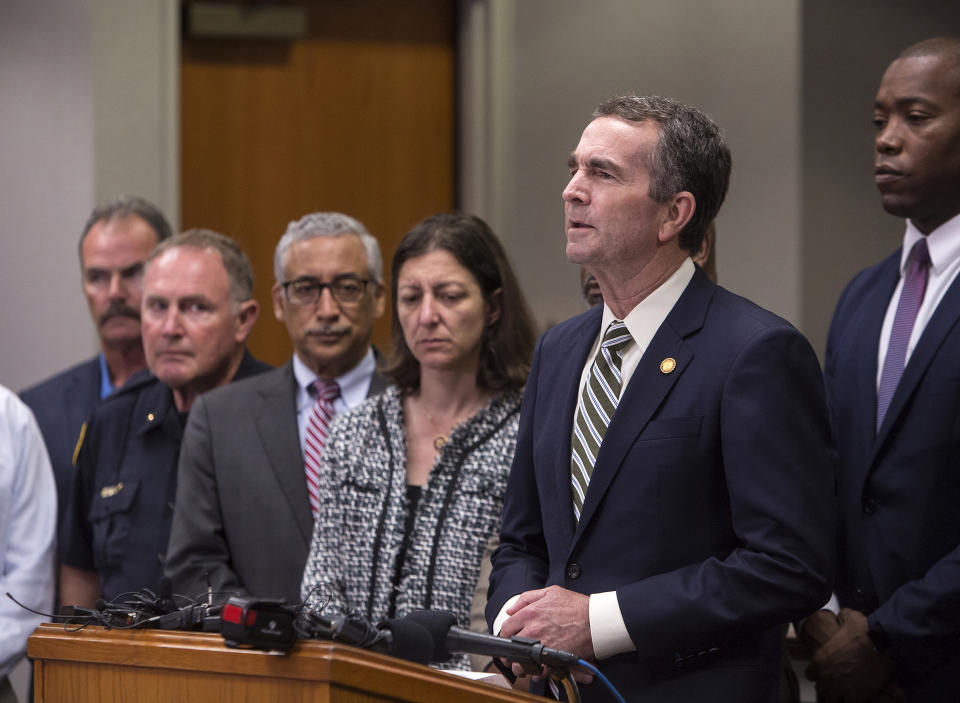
{"type": "Point", "coordinates": [670, 506]}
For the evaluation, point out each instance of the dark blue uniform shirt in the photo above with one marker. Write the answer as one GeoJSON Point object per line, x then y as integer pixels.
{"type": "Point", "coordinates": [121, 508]}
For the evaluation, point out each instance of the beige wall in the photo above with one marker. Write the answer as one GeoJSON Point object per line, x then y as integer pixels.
{"type": "Point", "coordinates": [88, 111]}
{"type": "Point", "coordinates": [791, 82]}
{"type": "Point", "coordinates": [847, 46]}
{"type": "Point", "coordinates": [549, 62]}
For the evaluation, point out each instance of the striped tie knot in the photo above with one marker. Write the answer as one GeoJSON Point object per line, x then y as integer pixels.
{"type": "Point", "coordinates": [595, 409]}
{"type": "Point", "coordinates": [323, 389]}
{"type": "Point", "coordinates": [616, 337]}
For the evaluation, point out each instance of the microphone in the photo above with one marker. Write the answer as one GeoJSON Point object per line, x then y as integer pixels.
{"type": "Point", "coordinates": [399, 638]}
{"type": "Point", "coordinates": [406, 640]}
{"type": "Point", "coordinates": [447, 639]}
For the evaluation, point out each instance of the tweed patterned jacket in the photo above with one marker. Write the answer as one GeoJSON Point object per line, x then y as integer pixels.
{"type": "Point", "coordinates": [359, 530]}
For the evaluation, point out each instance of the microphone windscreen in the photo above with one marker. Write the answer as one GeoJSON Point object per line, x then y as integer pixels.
{"type": "Point", "coordinates": [165, 587]}
{"type": "Point", "coordinates": [411, 641]}
{"type": "Point", "coordinates": [438, 624]}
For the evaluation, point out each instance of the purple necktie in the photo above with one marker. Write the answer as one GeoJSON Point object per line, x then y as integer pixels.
{"type": "Point", "coordinates": [914, 285]}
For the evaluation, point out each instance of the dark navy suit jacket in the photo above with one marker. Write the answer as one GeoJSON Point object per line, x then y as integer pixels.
{"type": "Point", "coordinates": [899, 545]}
{"type": "Point", "coordinates": [710, 509]}
{"type": "Point", "coordinates": [61, 405]}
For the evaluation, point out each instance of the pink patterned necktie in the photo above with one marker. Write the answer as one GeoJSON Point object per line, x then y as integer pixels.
{"type": "Point", "coordinates": [318, 425]}
{"type": "Point", "coordinates": [911, 297]}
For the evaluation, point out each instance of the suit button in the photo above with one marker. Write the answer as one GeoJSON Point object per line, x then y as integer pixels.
{"type": "Point", "coordinates": [573, 571]}
{"type": "Point", "coordinates": [869, 506]}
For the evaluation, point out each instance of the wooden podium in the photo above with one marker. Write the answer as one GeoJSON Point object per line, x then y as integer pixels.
{"type": "Point", "coordinates": [154, 666]}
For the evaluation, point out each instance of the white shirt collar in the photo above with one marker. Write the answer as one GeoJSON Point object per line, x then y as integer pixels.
{"type": "Point", "coordinates": [647, 316]}
{"type": "Point", "coordinates": [943, 243]}
{"type": "Point", "coordinates": [354, 384]}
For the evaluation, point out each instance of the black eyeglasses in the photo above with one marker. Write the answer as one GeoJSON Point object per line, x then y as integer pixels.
{"type": "Point", "coordinates": [307, 290]}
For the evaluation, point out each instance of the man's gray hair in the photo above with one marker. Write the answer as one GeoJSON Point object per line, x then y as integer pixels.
{"type": "Point", "coordinates": [235, 261]}
{"type": "Point", "coordinates": [122, 207]}
{"type": "Point", "coordinates": [691, 155]}
{"type": "Point", "coordinates": [328, 224]}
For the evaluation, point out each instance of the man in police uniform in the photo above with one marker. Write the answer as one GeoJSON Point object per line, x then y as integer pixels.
{"type": "Point", "coordinates": [115, 242]}
{"type": "Point", "coordinates": [197, 312]}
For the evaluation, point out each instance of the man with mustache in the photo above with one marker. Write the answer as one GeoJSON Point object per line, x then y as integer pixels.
{"type": "Point", "coordinates": [251, 450]}
{"type": "Point", "coordinates": [892, 374]}
{"type": "Point", "coordinates": [197, 311]}
{"type": "Point", "coordinates": [113, 246]}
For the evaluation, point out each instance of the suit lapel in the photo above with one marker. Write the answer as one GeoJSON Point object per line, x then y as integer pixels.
{"type": "Point", "coordinates": [864, 339]}
{"type": "Point", "coordinates": [563, 355]}
{"type": "Point", "coordinates": [574, 356]}
{"type": "Point", "coordinates": [648, 388]}
{"type": "Point", "coordinates": [944, 319]}
{"type": "Point", "coordinates": [378, 384]}
{"type": "Point", "coordinates": [276, 421]}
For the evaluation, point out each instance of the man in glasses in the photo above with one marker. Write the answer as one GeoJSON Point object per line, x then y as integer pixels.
{"type": "Point", "coordinates": [251, 452]}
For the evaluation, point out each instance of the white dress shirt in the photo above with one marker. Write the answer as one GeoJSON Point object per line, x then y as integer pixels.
{"type": "Point", "coordinates": [943, 243]}
{"type": "Point", "coordinates": [608, 631]}
{"type": "Point", "coordinates": [28, 519]}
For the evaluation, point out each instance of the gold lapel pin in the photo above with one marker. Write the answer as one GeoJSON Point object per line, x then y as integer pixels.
{"type": "Point", "coordinates": [668, 365]}
{"type": "Point", "coordinates": [150, 417]}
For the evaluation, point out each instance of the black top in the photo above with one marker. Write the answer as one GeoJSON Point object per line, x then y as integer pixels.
{"type": "Point", "coordinates": [413, 500]}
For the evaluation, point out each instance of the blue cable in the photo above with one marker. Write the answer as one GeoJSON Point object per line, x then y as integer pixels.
{"type": "Point", "coordinates": [606, 682]}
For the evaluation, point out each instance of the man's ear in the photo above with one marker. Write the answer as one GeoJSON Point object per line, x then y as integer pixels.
{"type": "Point", "coordinates": [379, 300]}
{"type": "Point", "coordinates": [246, 316]}
{"type": "Point", "coordinates": [494, 307]}
{"type": "Point", "coordinates": [679, 210]}
{"type": "Point", "coordinates": [276, 294]}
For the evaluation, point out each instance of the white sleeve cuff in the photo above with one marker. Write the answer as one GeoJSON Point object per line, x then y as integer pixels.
{"type": "Point", "coordinates": [607, 629]}
{"type": "Point", "coordinates": [502, 615]}
{"type": "Point", "coordinates": [833, 605]}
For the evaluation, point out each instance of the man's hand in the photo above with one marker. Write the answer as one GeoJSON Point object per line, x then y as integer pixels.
{"type": "Point", "coordinates": [558, 618]}
{"type": "Point", "coordinates": [817, 629]}
{"type": "Point", "coordinates": [848, 668]}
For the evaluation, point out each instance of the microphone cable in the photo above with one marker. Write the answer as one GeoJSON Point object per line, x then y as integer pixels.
{"type": "Point", "coordinates": [603, 679]}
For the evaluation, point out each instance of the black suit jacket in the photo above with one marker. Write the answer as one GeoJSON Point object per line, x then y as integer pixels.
{"type": "Point", "coordinates": [243, 515]}
{"type": "Point", "coordinates": [899, 488]}
{"type": "Point", "coordinates": [710, 509]}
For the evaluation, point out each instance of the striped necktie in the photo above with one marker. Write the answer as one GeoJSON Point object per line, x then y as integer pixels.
{"type": "Point", "coordinates": [318, 425]}
{"type": "Point", "coordinates": [598, 401]}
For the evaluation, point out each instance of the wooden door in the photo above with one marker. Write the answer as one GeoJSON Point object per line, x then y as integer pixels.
{"type": "Point", "coordinates": [356, 117]}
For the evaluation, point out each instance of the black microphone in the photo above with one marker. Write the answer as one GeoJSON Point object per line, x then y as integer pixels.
{"type": "Point", "coordinates": [399, 638]}
{"type": "Point", "coordinates": [406, 640]}
{"type": "Point", "coordinates": [447, 639]}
